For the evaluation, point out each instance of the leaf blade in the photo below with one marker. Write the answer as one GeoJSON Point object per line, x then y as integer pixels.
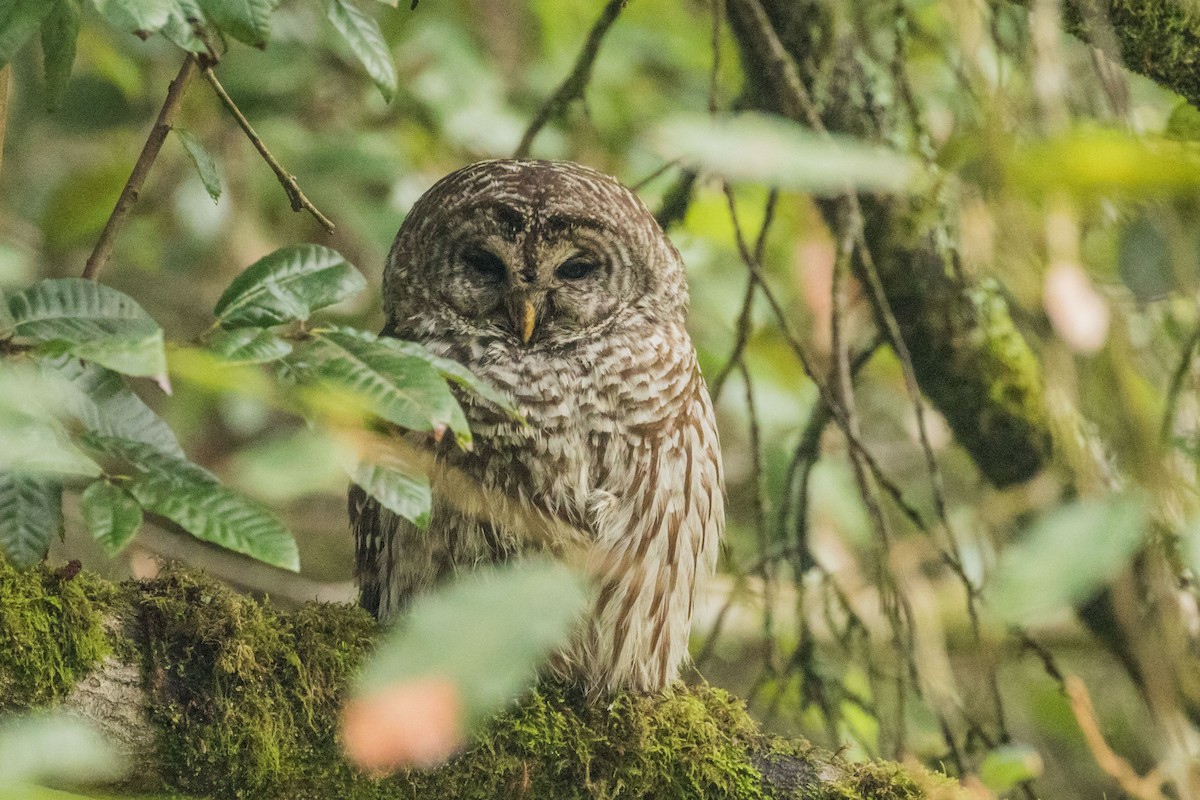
{"type": "Point", "coordinates": [362, 33]}
{"type": "Point", "coordinates": [202, 160]}
{"type": "Point", "coordinates": [60, 30]}
{"type": "Point", "coordinates": [111, 515]}
{"type": "Point", "coordinates": [288, 285]}
{"type": "Point", "coordinates": [32, 516]}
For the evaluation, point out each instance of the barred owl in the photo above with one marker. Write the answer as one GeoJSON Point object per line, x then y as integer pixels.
{"type": "Point", "coordinates": [554, 283]}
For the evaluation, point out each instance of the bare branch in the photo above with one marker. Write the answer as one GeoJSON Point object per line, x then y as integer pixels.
{"type": "Point", "coordinates": [141, 168]}
{"type": "Point", "coordinates": [298, 199]}
{"type": "Point", "coordinates": [575, 84]}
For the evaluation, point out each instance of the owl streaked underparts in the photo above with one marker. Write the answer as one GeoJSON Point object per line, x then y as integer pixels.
{"type": "Point", "coordinates": [554, 283]}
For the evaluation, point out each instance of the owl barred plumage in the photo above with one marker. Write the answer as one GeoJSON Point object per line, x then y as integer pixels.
{"type": "Point", "coordinates": [554, 283]}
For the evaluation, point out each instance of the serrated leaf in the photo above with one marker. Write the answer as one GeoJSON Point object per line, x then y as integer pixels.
{"type": "Point", "coordinates": [60, 30]}
{"type": "Point", "coordinates": [1065, 557]}
{"type": "Point", "coordinates": [77, 310]}
{"type": "Point", "coordinates": [191, 497]}
{"type": "Point", "coordinates": [92, 321]}
{"type": "Point", "coordinates": [403, 493]}
{"type": "Point", "coordinates": [99, 399]}
{"type": "Point", "coordinates": [362, 33]}
{"type": "Point", "coordinates": [487, 632]}
{"type": "Point", "coordinates": [205, 164]}
{"type": "Point", "coordinates": [403, 389]}
{"type": "Point", "coordinates": [455, 372]}
{"type": "Point", "coordinates": [111, 514]}
{"type": "Point", "coordinates": [288, 285]}
{"type": "Point", "coordinates": [143, 356]}
{"type": "Point", "coordinates": [248, 21]}
{"type": "Point", "coordinates": [19, 20]}
{"type": "Point", "coordinates": [777, 152]}
{"type": "Point", "coordinates": [248, 346]}
{"type": "Point", "coordinates": [137, 16]}
{"type": "Point", "coordinates": [32, 516]}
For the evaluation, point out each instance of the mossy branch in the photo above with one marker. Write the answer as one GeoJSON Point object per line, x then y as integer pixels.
{"type": "Point", "coordinates": [215, 695]}
{"type": "Point", "coordinates": [967, 356]}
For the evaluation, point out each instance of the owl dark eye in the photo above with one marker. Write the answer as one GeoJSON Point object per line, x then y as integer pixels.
{"type": "Point", "coordinates": [484, 263]}
{"type": "Point", "coordinates": [575, 268]}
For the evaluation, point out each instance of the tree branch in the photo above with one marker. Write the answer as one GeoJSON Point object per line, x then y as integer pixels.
{"type": "Point", "coordinates": [141, 168]}
{"type": "Point", "coordinates": [296, 197]}
{"type": "Point", "coordinates": [214, 695]}
{"type": "Point", "coordinates": [574, 85]}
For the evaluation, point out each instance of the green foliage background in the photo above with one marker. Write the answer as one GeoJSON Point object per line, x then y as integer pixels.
{"type": "Point", "coordinates": [1009, 164]}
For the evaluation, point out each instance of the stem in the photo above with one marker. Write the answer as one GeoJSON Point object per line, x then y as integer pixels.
{"type": "Point", "coordinates": [4, 82]}
{"type": "Point", "coordinates": [298, 199]}
{"type": "Point", "coordinates": [574, 85]}
{"type": "Point", "coordinates": [137, 178]}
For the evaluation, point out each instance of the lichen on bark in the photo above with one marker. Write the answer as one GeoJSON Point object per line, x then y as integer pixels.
{"type": "Point", "coordinates": [243, 701]}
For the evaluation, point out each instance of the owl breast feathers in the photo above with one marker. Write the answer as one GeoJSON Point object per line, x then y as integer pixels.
{"type": "Point", "coordinates": [555, 284]}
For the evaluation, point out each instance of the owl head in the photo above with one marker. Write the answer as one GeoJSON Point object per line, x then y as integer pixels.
{"type": "Point", "coordinates": [536, 253]}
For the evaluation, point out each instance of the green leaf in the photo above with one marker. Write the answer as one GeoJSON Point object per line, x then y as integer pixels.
{"type": "Point", "coordinates": [60, 29]}
{"type": "Point", "coordinates": [248, 346]}
{"type": "Point", "coordinates": [362, 33]}
{"type": "Point", "coordinates": [181, 26]}
{"type": "Point", "coordinates": [1065, 557]}
{"type": "Point", "coordinates": [778, 152]}
{"type": "Point", "coordinates": [206, 166]}
{"type": "Point", "coordinates": [288, 285]}
{"type": "Point", "coordinates": [112, 515]}
{"type": "Point", "coordinates": [32, 516]}
{"type": "Point", "coordinates": [33, 439]}
{"type": "Point", "coordinates": [57, 748]}
{"type": "Point", "coordinates": [89, 320]}
{"type": "Point", "coordinates": [403, 389]}
{"type": "Point", "coordinates": [1008, 765]}
{"type": "Point", "coordinates": [191, 497]}
{"type": "Point", "coordinates": [403, 493]}
{"type": "Point", "coordinates": [487, 632]}
{"type": "Point", "coordinates": [455, 372]}
{"type": "Point", "coordinates": [19, 20]}
{"type": "Point", "coordinates": [99, 399]}
{"type": "Point", "coordinates": [288, 467]}
{"type": "Point", "coordinates": [138, 16]}
{"type": "Point", "coordinates": [130, 356]}
{"type": "Point", "coordinates": [246, 20]}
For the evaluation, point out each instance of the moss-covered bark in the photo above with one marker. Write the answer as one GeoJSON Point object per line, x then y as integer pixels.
{"type": "Point", "coordinates": [1160, 40]}
{"type": "Point", "coordinates": [242, 701]}
{"type": "Point", "coordinates": [968, 358]}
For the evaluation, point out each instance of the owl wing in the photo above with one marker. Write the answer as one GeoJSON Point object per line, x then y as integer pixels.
{"type": "Point", "coordinates": [374, 532]}
{"type": "Point", "coordinates": [658, 525]}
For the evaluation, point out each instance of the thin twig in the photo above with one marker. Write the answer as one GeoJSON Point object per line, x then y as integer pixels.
{"type": "Point", "coordinates": [5, 79]}
{"type": "Point", "coordinates": [1144, 787]}
{"type": "Point", "coordinates": [298, 199]}
{"type": "Point", "coordinates": [141, 168]}
{"type": "Point", "coordinates": [575, 84]}
{"type": "Point", "coordinates": [1177, 379]}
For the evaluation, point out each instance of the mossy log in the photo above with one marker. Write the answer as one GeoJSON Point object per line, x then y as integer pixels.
{"type": "Point", "coordinates": [214, 694]}
{"type": "Point", "coordinates": [967, 355]}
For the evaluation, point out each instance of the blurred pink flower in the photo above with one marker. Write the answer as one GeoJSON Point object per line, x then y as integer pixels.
{"type": "Point", "coordinates": [417, 723]}
{"type": "Point", "coordinates": [1078, 312]}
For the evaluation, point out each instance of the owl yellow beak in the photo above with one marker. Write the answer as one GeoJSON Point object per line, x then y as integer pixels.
{"type": "Point", "coordinates": [528, 322]}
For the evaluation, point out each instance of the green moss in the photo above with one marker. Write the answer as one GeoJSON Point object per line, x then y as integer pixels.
{"type": "Point", "coordinates": [246, 701]}
{"type": "Point", "coordinates": [1159, 40]}
{"type": "Point", "coordinates": [51, 633]}
{"type": "Point", "coordinates": [246, 697]}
